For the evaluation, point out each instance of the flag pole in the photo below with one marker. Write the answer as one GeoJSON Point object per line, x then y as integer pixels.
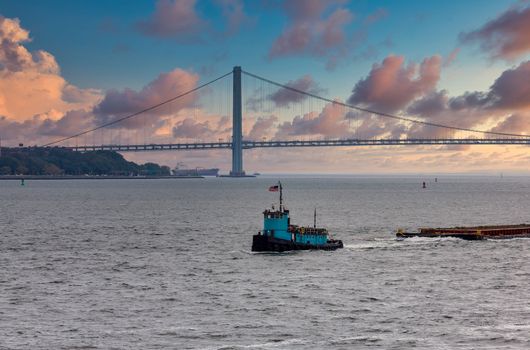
{"type": "Point", "coordinates": [281, 196]}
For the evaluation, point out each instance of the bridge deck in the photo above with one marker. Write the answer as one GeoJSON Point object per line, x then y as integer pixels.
{"type": "Point", "coordinates": [299, 143]}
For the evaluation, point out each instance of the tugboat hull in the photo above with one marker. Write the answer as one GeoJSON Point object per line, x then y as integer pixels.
{"type": "Point", "coordinates": [263, 243]}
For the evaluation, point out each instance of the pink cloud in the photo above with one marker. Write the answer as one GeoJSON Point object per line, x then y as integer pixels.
{"type": "Point", "coordinates": [370, 126]}
{"type": "Point", "coordinates": [13, 56]}
{"type": "Point", "coordinates": [40, 128]}
{"type": "Point", "coordinates": [14, 132]}
{"type": "Point", "coordinates": [190, 128]}
{"type": "Point", "coordinates": [391, 86]}
{"type": "Point", "coordinates": [173, 18]}
{"type": "Point", "coordinates": [430, 104]}
{"type": "Point", "coordinates": [206, 128]}
{"type": "Point", "coordinates": [117, 104]}
{"type": "Point", "coordinates": [506, 37]}
{"type": "Point", "coordinates": [69, 124]}
{"type": "Point", "coordinates": [180, 20]}
{"type": "Point", "coordinates": [451, 57]}
{"type": "Point", "coordinates": [308, 9]}
{"type": "Point", "coordinates": [284, 97]}
{"type": "Point", "coordinates": [262, 128]}
{"type": "Point", "coordinates": [311, 30]}
{"type": "Point", "coordinates": [515, 123]}
{"type": "Point", "coordinates": [465, 111]}
{"type": "Point", "coordinates": [30, 82]}
{"type": "Point", "coordinates": [512, 88]}
{"type": "Point", "coordinates": [295, 39]}
{"type": "Point", "coordinates": [395, 87]}
{"type": "Point", "coordinates": [38, 104]}
{"type": "Point", "coordinates": [508, 94]}
{"type": "Point", "coordinates": [234, 13]}
{"type": "Point", "coordinates": [333, 34]}
{"type": "Point", "coordinates": [510, 91]}
{"type": "Point", "coordinates": [330, 123]}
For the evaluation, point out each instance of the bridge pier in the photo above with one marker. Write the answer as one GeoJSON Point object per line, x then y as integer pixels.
{"type": "Point", "coordinates": [237, 126]}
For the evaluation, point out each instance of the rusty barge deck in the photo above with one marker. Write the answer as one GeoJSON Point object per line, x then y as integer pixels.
{"type": "Point", "coordinates": [471, 233]}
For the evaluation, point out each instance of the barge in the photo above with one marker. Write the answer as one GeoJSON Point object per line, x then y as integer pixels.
{"type": "Point", "coordinates": [280, 235]}
{"type": "Point", "coordinates": [471, 233]}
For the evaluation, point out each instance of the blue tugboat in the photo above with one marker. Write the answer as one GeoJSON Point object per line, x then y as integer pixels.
{"type": "Point", "coordinates": [280, 235]}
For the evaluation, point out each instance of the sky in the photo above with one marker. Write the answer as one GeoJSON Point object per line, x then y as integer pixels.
{"type": "Point", "coordinates": [67, 66]}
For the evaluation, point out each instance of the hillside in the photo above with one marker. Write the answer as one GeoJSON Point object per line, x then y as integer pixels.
{"type": "Point", "coordinates": [58, 161]}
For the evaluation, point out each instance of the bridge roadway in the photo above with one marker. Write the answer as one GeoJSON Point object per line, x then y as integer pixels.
{"type": "Point", "coordinates": [299, 143]}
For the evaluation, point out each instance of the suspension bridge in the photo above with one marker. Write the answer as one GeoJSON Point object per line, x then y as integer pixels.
{"type": "Point", "coordinates": [358, 126]}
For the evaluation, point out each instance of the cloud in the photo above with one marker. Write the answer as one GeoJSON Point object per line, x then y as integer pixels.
{"type": "Point", "coordinates": [69, 124]}
{"type": "Point", "coordinates": [190, 128]}
{"type": "Point", "coordinates": [307, 9]}
{"type": "Point", "coordinates": [311, 30]}
{"type": "Point", "coordinates": [366, 126]}
{"type": "Point", "coordinates": [262, 128]}
{"type": "Point", "coordinates": [173, 19]}
{"type": "Point", "coordinates": [512, 88]}
{"type": "Point", "coordinates": [13, 56]}
{"type": "Point", "coordinates": [508, 94]}
{"type": "Point", "coordinates": [204, 127]}
{"type": "Point", "coordinates": [505, 37]}
{"type": "Point", "coordinates": [180, 20]}
{"type": "Point", "coordinates": [234, 13]}
{"type": "Point", "coordinates": [451, 57]}
{"type": "Point", "coordinates": [330, 123]}
{"type": "Point", "coordinates": [468, 110]}
{"type": "Point", "coordinates": [40, 128]}
{"type": "Point", "coordinates": [284, 97]}
{"type": "Point", "coordinates": [430, 105]}
{"type": "Point", "coordinates": [30, 82]}
{"type": "Point", "coordinates": [18, 131]}
{"type": "Point", "coordinates": [391, 86]}
{"type": "Point", "coordinates": [119, 103]}
{"type": "Point", "coordinates": [510, 91]}
{"type": "Point", "coordinates": [395, 88]}
{"type": "Point", "coordinates": [515, 123]}
{"type": "Point", "coordinates": [38, 104]}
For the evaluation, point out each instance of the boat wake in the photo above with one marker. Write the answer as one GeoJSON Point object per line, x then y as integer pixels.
{"type": "Point", "coordinates": [276, 344]}
{"type": "Point", "coordinates": [390, 243]}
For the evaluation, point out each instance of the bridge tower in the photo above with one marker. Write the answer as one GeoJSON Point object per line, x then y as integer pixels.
{"type": "Point", "coordinates": [237, 125]}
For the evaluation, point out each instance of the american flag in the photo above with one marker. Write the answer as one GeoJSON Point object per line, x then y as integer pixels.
{"type": "Point", "coordinates": [274, 188]}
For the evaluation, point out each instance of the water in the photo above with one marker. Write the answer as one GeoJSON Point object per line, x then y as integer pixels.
{"type": "Point", "coordinates": [166, 264]}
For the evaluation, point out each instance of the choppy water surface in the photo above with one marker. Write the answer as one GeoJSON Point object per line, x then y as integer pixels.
{"type": "Point", "coordinates": [166, 264]}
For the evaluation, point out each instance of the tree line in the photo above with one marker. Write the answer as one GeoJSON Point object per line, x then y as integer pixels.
{"type": "Point", "coordinates": [59, 161]}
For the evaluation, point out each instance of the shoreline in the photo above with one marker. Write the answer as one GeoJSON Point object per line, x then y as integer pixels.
{"type": "Point", "coordinates": [92, 177]}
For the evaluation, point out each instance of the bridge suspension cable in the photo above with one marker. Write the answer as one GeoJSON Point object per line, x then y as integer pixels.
{"type": "Point", "coordinates": [382, 114]}
{"type": "Point", "coordinates": [139, 112]}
